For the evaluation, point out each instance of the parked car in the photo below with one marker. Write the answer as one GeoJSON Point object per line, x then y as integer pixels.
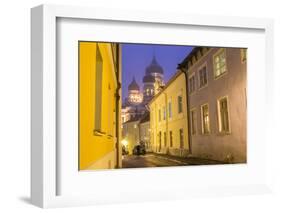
{"type": "Point", "coordinates": [124, 151]}
{"type": "Point", "coordinates": [139, 150]}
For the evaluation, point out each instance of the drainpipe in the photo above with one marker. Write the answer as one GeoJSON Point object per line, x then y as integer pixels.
{"type": "Point", "coordinates": [167, 127]}
{"type": "Point", "coordinates": [117, 110]}
{"type": "Point", "coordinates": [182, 69]}
{"type": "Point", "coordinates": [117, 100]}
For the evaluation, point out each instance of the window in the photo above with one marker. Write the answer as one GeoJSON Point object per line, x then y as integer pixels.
{"type": "Point", "coordinates": [165, 139]}
{"type": "Point", "coordinates": [205, 119]}
{"type": "Point", "coordinates": [171, 139]}
{"type": "Point", "coordinates": [164, 113]}
{"type": "Point", "coordinates": [223, 115]}
{"type": "Point", "coordinates": [159, 115]}
{"type": "Point", "coordinates": [220, 63]}
{"type": "Point", "coordinates": [180, 104]}
{"type": "Point", "coordinates": [98, 90]}
{"type": "Point", "coordinates": [243, 55]}
{"type": "Point", "coordinates": [114, 52]}
{"type": "Point", "coordinates": [110, 98]}
{"type": "Point", "coordinates": [193, 122]}
{"type": "Point", "coordinates": [203, 77]}
{"type": "Point", "coordinates": [192, 84]}
{"type": "Point", "coordinates": [181, 138]}
{"type": "Point", "coordinates": [160, 136]}
{"type": "Point", "coordinates": [170, 109]}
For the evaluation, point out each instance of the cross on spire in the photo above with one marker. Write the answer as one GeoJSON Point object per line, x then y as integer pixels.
{"type": "Point", "coordinates": [154, 61]}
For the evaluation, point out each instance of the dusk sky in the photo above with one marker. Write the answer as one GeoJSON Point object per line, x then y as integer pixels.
{"type": "Point", "coordinates": [136, 57]}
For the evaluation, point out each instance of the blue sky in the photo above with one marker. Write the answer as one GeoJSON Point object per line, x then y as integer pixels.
{"type": "Point", "coordinates": [136, 57]}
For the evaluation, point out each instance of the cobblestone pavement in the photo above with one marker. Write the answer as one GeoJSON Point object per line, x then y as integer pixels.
{"type": "Point", "coordinates": [161, 160]}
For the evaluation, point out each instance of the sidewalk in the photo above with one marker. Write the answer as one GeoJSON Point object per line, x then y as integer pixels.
{"type": "Point", "coordinates": [189, 160]}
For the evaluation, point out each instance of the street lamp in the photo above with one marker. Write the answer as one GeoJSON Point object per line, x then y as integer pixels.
{"type": "Point", "coordinates": [124, 142]}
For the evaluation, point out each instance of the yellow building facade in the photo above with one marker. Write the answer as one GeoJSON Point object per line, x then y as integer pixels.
{"type": "Point", "coordinates": [99, 106]}
{"type": "Point", "coordinates": [169, 118]}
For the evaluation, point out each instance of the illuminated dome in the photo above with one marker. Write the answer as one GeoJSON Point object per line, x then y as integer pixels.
{"type": "Point", "coordinates": [154, 67]}
{"type": "Point", "coordinates": [133, 85]}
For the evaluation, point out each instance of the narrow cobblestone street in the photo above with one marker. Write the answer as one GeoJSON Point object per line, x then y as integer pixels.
{"type": "Point", "coordinates": [161, 160]}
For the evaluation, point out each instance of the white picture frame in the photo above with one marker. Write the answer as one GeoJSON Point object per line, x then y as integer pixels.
{"type": "Point", "coordinates": [44, 169]}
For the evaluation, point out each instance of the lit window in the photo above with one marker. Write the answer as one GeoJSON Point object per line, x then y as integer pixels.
{"type": "Point", "coordinates": [180, 104]}
{"type": "Point", "coordinates": [171, 139]}
{"type": "Point", "coordinates": [205, 119]}
{"type": "Point", "coordinates": [181, 138]}
{"type": "Point", "coordinates": [193, 122]}
{"type": "Point", "coordinates": [243, 55]}
{"type": "Point", "coordinates": [203, 77]}
{"type": "Point", "coordinates": [220, 63]}
{"type": "Point", "coordinates": [223, 115]}
{"type": "Point", "coordinates": [165, 139]}
{"type": "Point", "coordinates": [192, 84]}
{"type": "Point", "coordinates": [98, 90]}
{"type": "Point", "coordinates": [160, 136]}
{"type": "Point", "coordinates": [110, 109]}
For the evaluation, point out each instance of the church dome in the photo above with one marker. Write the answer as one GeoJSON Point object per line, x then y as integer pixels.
{"type": "Point", "coordinates": [154, 67]}
{"type": "Point", "coordinates": [148, 79]}
{"type": "Point", "coordinates": [133, 85]}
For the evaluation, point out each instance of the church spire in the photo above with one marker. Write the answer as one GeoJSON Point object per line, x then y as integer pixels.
{"type": "Point", "coordinates": [133, 85]}
{"type": "Point", "coordinates": [154, 61]}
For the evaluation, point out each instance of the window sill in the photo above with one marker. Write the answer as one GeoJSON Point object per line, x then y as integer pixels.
{"type": "Point", "coordinates": [206, 134]}
{"type": "Point", "coordinates": [202, 87]}
{"type": "Point", "coordinates": [244, 61]}
{"type": "Point", "coordinates": [109, 136]}
{"type": "Point", "coordinates": [220, 76]}
{"type": "Point", "coordinates": [99, 133]}
{"type": "Point", "coordinates": [223, 133]}
{"type": "Point", "coordinates": [192, 93]}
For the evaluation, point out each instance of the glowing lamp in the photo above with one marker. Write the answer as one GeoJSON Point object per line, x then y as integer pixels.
{"type": "Point", "coordinates": [124, 142]}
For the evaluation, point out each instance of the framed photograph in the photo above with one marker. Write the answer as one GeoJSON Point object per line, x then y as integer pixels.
{"type": "Point", "coordinates": [136, 106]}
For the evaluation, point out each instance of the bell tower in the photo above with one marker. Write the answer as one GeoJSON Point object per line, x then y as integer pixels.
{"type": "Point", "coordinates": [135, 96]}
{"type": "Point", "coordinates": [152, 80]}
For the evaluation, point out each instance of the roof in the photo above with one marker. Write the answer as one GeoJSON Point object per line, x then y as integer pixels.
{"type": "Point", "coordinates": [184, 63]}
{"type": "Point", "coordinates": [134, 119]}
{"type": "Point", "coordinates": [174, 77]}
{"type": "Point", "coordinates": [145, 117]}
{"type": "Point", "coordinates": [133, 85]}
{"type": "Point", "coordinates": [154, 67]}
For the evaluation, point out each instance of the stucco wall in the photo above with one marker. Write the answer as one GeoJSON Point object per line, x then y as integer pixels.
{"type": "Point", "coordinates": [94, 147]}
{"type": "Point", "coordinates": [175, 123]}
{"type": "Point", "coordinates": [233, 85]}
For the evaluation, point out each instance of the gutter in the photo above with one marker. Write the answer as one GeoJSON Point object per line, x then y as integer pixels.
{"type": "Point", "coordinates": [183, 70]}
{"type": "Point", "coordinates": [117, 103]}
